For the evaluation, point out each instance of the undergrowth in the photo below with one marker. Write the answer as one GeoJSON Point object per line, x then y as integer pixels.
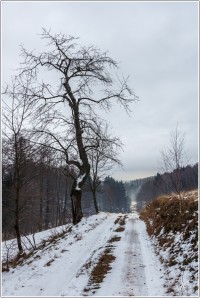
{"type": "Point", "coordinates": [172, 222]}
{"type": "Point", "coordinates": [23, 256]}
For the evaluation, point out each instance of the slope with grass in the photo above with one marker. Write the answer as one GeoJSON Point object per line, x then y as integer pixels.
{"type": "Point", "coordinates": [172, 223]}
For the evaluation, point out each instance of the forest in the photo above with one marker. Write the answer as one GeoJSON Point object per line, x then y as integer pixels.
{"type": "Point", "coordinates": [57, 150]}
{"type": "Point", "coordinates": [45, 192]}
{"type": "Point", "coordinates": [162, 184]}
{"type": "Point", "coordinates": [99, 149]}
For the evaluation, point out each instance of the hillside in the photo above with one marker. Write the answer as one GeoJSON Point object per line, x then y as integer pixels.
{"type": "Point", "coordinates": [172, 223]}
{"type": "Point", "coordinates": [162, 184]}
{"type": "Point", "coordinates": [111, 255]}
{"type": "Point", "coordinates": [105, 254]}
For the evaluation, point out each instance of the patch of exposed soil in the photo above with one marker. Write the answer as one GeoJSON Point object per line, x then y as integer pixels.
{"type": "Point", "coordinates": [114, 239]}
{"type": "Point", "coordinates": [120, 229]}
{"type": "Point", "coordinates": [99, 271]}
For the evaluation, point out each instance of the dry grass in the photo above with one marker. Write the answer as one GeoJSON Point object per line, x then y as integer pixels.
{"type": "Point", "coordinates": [122, 221]}
{"type": "Point", "coordinates": [168, 216]}
{"type": "Point", "coordinates": [102, 267]}
{"type": "Point", "coordinates": [114, 239]}
{"type": "Point", "coordinates": [64, 250]}
{"type": "Point", "coordinates": [171, 213]}
{"type": "Point", "coordinates": [49, 263]}
{"type": "Point", "coordinates": [99, 271]}
{"type": "Point", "coordinates": [120, 229]}
{"type": "Point", "coordinates": [19, 259]}
{"type": "Point", "coordinates": [117, 220]}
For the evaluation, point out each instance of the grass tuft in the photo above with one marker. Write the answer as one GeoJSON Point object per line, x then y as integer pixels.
{"type": "Point", "coordinates": [102, 267]}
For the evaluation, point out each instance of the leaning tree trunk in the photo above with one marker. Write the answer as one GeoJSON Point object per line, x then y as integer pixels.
{"type": "Point", "coordinates": [76, 194]}
{"type": "Point", "coordinates": [77, 186]}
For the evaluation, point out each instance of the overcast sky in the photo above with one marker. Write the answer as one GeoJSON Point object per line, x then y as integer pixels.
{"type": "Point", "coordinates": [156, 43]}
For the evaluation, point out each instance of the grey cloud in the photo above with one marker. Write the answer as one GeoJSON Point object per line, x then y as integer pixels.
{"type": "Point", "coordinates": [156, 44]}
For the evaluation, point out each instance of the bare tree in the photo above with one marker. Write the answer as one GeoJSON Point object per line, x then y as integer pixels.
{"type": "Point", "coordinates": [16, 112]}
{"type": "Point", "coordinates": [174, 158]}
{"type": "Point", "coordinates": [102, 159]}
{"type": "Point", "coordinates": [85, 81]}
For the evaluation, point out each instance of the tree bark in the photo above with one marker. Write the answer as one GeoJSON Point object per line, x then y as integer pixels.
{"type": "Point", "coordinates": [95, 202]}
{"type": "Point", "coordinates": [19, 244]}
{"type": "Point", "coordinates": [76, 192]}
{"type": "Point", "coordinates": [41, 204]}
{"type": "Point", "coordinates": [17, 193]}
{"type": "Point", "coordinates": [47, 211]}
{"type": "Point", "coordinates": [65, 204]}
{"type": "Point", "coordinates": [77, 213]}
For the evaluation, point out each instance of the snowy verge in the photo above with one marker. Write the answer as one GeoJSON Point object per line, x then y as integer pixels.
{"type": "Point", "coordinates": [55, 269]}
{"type": "Point", "coordinates": [33, 241]}
{"type": "Point", "coordinates": [172, 223]}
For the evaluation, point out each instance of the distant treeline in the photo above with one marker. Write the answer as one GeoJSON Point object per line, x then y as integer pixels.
{"type": "Point", "coordinates": [163, 184]}
{"type": "Point", "coordinates": [113, 197]}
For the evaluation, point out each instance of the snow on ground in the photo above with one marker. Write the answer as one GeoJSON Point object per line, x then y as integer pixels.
{"type": "Point", "coordinates": [182, 273]}
{"type": "Point", "coordinates": [63, 268]}
{"type": "Point", "coordinates": [53, 270]}
{"type": "Point", "coordinates": [136, 270]}
{"type": "Point", "coordinates": [9, 247]}
{"type": "Point", "coordinates": [172, 222]}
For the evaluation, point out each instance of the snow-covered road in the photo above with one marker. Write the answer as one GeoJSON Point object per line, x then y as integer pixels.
{"type": "Point", "coordinates": [136, 270]}
{"type": "Point", "coordinates": [64, 268]}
